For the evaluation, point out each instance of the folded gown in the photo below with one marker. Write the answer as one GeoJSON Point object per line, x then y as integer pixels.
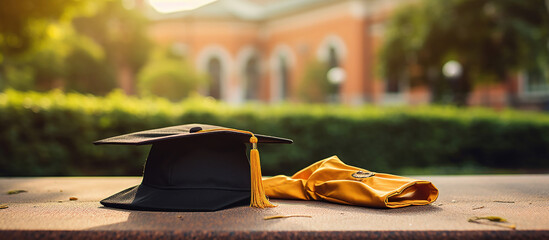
{"type": "Point", "coordinates": [334, 181]}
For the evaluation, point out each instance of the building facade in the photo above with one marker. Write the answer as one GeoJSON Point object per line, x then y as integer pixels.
{"type": "Point", "coordinates": [258, 50]}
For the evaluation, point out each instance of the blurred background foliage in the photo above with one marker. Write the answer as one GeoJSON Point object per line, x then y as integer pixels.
{"type": "Point", "coordinates": [51, 134]}
{"type": "Point", "coordinates": [315, 87]}
{"type": "Point", "coordinates": [170, 76]}
{"type": "Point", "coordinates": [491, 39]}
{"type": "Point", "coordinates": [70, 45]}
{"type": "Point", "coordinates": [22, 23]}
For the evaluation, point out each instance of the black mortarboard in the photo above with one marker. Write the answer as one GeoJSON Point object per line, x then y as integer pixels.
{"type": "Point", "coordinates": [194, 167]}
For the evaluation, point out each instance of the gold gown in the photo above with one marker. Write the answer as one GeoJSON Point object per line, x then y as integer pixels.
{"type": "Point", "coordinates": [334, 181]}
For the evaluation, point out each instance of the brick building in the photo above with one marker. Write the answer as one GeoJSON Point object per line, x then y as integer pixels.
{"type": "Point", "coordinates": [257, 50]}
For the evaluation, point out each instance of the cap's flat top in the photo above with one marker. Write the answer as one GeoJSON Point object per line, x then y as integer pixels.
{"type": "Point", "coordinates": [522, 199]}
{"type": "Point", "coordinates": [183, 131]}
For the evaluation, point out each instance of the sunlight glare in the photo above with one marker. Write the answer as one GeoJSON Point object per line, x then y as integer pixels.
{"type": "Point", "coordinates": [170, 6]}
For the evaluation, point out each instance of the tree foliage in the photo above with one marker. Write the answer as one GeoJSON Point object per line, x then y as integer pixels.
{"type": "Point", "coordinates": [315, 87]}
{"type": "Point", "coordinates": [120, 33]}
{"type": "Point", "coordinates": [492, 39]}
{"type": "Point", "coordinates": [75, 45]}
{"type": "Point", "coordinates": [23, 22]}
{"type": "Point", "coordinates": [169, 76]}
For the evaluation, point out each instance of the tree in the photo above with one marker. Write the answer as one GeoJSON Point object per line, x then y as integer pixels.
{"type": "Point", "coordinates": [77, 45]}
{"type": "Point", "coordinates": [491, 39]}
{"type": "Point", "coordinates": [23, 25]}
{"type": "Point", "coordinates": [120, 32]}
{"type": "Point", "coordinates": [169, 76]}
{"type": "Point", "coordinates": [24, 22]}
{"type": "Point", "coordinates": [315, 87]}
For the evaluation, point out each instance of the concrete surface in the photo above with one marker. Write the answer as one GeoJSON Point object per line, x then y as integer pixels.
{"type": "Point", "coordinates": [45, 211]}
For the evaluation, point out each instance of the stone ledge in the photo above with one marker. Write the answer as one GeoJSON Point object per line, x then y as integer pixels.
{"type": "Point", "coordinates": [348, 235]}
{"type": "Point", "coordinates": [45, 212]}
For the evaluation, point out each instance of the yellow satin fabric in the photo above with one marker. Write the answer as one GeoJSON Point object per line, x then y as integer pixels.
{"type": "Point", "coordinates": [331, 180]}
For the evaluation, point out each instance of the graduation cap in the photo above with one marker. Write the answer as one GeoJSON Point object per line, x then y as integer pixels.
{"type": "Point", "coordinates": [195, 167]}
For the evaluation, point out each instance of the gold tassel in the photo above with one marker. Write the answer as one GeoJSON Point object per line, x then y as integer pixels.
{"type": "Point", "coordinates": [258, 198]}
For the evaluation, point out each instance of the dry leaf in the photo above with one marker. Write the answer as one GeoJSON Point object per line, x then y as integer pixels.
{"type": "Point", "coordinates": [490, 218]}
{"type": "Point", "coordinates": [285, 216]}
{"type": "Point", "coordinates": [16, 191]}
{"type": "Point", "coordinates": [500, 201]}
{"type": "Point", "coordinates": [493, 220]}
{"type": "Point", "coordinates": [73, 198]}
{"type": "Point", "coordinates": [3, 206]}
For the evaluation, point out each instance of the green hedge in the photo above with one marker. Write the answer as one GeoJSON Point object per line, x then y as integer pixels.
{"type": "Point", "coordinates": [52, 134]}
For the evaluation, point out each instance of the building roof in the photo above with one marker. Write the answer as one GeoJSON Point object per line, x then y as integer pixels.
{"type": "Point", "coordinates": [249, 10]}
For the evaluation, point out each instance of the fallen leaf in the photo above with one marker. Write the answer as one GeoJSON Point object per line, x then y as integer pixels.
{"type": "Point", "coordinates": [490, 218]}
{"type": "Point", "coordinates": [16, 191]}
{"type": "Point", "coordinates": [477, 208]}
{"type": "Point", "coordinates": [285, 216]}
{"type": "Point", "coordinates": [3, 206]}
{"type": "Point", "coordinates": [500, 201]}
{"type": "Point", "coordinates": [493, 220]}
{"type": "Point", "coordinates": [73, 198]}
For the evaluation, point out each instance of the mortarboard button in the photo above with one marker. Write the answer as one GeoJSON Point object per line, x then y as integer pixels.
{"type": "Point", "coordinates": [195, 129]}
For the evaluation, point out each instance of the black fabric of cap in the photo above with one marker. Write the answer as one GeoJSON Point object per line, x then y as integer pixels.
{"type": "Point", "coordinates": [189, 170]}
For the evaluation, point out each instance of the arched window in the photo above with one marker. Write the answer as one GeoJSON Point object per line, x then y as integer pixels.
{"type": "Point", "coordinates": [284, 77]}
{"type": "Point", "coordinates": [214, 72]}
{"type": "Point", "coordinates": [332, 58]}
{"type": "Point", "coordinates": [333, 51]}
{"type": "Point", "coordinates": [335, 80]}
{"type": "Point", "coordinates": [281, 63]}
{"type": "Point", "coordinates": [252, 78]}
